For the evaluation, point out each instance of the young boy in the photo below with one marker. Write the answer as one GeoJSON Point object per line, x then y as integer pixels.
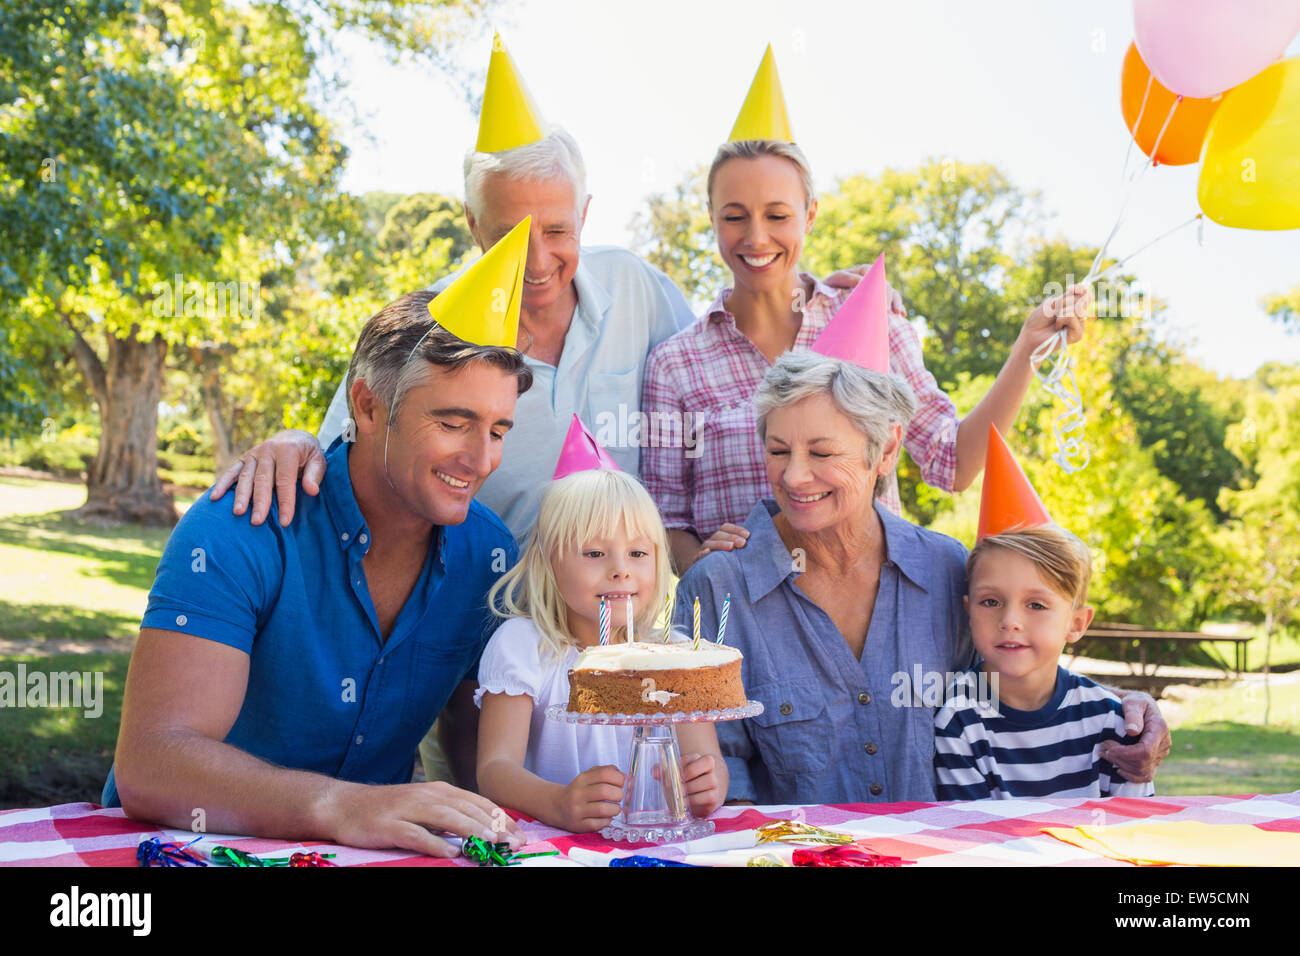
{"type": "Point", "coordinates": [1039, 732]}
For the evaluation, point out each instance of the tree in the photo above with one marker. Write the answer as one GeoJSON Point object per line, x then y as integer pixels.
{"type": "Point", "coordinates": [948, 230]}
{"type": "Point", "coordinates": [156, 159]}
{"type": "Point", "coordinates": [1153, 549]}
{"type": "Point", "coordinates": [1264, 574]}
{"type": "Point", "coordinates": [1285, 308]}
{"type": "Point", "coordinates": [675, 235]}
{"type": "Point", "coordinates": [312, 313]}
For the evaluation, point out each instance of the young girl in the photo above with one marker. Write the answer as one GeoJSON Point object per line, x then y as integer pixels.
{"type": "Point", "coordinates": [598, 536]}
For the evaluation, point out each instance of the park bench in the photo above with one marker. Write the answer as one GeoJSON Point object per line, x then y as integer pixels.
{"type": "Point", "coordinates": [1154, 647]}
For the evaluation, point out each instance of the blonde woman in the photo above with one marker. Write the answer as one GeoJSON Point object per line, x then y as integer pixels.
{"type": "Point", "coordinates": [598, 537]}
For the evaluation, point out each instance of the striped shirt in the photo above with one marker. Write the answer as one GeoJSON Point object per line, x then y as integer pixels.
{"type": "Point", "coordinates": [985, 749]}
{"type": "Point", "coordinates": [711, 369]}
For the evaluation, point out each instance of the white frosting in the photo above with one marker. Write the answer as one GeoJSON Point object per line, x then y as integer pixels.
{"type": "Point", "coordinates": [660, 697]}
{"type": "Point", "coordinates": [654, 657]}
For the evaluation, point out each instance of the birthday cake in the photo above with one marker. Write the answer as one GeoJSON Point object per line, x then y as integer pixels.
{"type": "Point", "coordinates": [656, 678]}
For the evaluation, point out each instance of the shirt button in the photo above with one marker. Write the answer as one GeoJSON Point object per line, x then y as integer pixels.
{"type": "Point", "coordinates": [786, 709]}
{"type": "Point", "coordinates": [363, 538]}
{"type": "Point", "coordinates": [876, 789]}
{"type": "Point", "coordinates": [361, 738]}
{"type": "Point", "coordinates": [870, 748]}
{"type": "Point", "coordinates": [345, 536]}
{"type": "Point", "coordinates": [864, 698]}
{"type": "Point", "coordinates": [358, 582]}
{"type": "Point", "coordinates": [181, 619]}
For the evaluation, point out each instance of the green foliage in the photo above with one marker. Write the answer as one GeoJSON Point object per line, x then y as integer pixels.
{"type": "Point", "coordinates": [946, 229]}
{"type": "Point", "coordinates": [1285, 308]}
{"type": "Point", "coordinates": [1152, 548]}
{"type": "Point", "coordinates": [675, 235]}
{"type": "Point", "coordinates": [1261, 579]}
{"type": "Point", "coordinates": [1167, 396]}
{"type": "Point", "coordinates": [166, 170]}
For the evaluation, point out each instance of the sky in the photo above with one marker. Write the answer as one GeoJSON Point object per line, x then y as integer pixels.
{"type": "Point", "coordinates": [650, 90]}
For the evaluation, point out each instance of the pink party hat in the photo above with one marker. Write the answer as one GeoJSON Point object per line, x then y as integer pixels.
{"type": "Point", "coordinates": [859, 332]}
{"type": "Point", "coordinates": [581, 452]}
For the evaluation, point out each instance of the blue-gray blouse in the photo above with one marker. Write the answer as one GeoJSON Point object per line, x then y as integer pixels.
{"type": "Point", "coordinates": [834, 729]}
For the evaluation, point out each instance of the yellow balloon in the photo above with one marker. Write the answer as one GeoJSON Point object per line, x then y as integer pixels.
{"type": "Point", "coordinates": [1250, 165]}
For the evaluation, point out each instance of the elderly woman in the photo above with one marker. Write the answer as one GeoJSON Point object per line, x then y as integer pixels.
{"type": "Point", "coordinates": [762, 204]}
{"type": "Point", "coordinates": [837, 603]}
{"type": "Point", "coordinates": [832, 597]}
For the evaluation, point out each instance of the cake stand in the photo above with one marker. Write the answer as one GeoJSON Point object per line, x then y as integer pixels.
{"type": "Point", "coordinates": [654, 806]}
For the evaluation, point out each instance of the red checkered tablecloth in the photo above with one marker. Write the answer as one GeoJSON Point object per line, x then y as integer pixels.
{"type": "Point", "coordinates": [980, 833]}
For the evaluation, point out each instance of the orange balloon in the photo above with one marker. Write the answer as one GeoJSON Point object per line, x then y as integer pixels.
{"type": "Point", "coordinates": [1181, 143]}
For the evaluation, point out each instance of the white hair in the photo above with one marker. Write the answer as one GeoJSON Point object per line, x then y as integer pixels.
{"type": "Point", "coordinates": [873, 401]}
{"type": "Point", "coordinates": [554, 156]}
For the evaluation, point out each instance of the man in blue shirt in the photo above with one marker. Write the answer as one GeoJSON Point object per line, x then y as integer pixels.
{"type": "Point", "coordinates": [285, 675]}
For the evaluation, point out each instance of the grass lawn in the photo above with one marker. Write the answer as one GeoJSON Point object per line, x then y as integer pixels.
{"type": "Point", "coordinates": [1221, 747]}
{"type": "Point", "coordinates": [51, 755]}
{"type": "Point", "coordinates": [63, 579]}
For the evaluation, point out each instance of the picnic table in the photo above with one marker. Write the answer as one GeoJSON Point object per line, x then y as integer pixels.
{"type": "Point", "coordinates": [977, 833]}
{"type": "Point", "coordinates": [1160, 643]}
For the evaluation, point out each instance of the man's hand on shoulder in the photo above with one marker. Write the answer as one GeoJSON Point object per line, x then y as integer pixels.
{"type": "Point", "coordinates": [274, 465]}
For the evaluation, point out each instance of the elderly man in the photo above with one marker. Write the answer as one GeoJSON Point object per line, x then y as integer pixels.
{"type": "Point", "coordinates": [589, 318]}
{"type": "Point", "coordinates": [285, 673]}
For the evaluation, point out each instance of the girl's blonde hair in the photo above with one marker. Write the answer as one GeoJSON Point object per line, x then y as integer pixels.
{"type": "Point", "coordinates": [576, 509]}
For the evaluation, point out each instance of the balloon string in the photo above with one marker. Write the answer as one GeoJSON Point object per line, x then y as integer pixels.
{"type": "Point", "coordinates": [1136, 126]}
{"type": "Point", "coordinates": [1169, 232]}
{"type": "Point", "coordinates": [1093, 273]}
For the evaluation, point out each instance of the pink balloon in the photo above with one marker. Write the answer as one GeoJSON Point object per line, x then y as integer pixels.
{"type": "Point", "coordinates": [1200, 48]}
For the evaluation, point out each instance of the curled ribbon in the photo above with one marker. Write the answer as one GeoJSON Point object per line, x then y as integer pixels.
{"type": "Point", "coordinates": [153, 852]}
{"type": "Point", "coordinates": [796, 831]}
{"type": "Point", "coordinates": [1072, 452]}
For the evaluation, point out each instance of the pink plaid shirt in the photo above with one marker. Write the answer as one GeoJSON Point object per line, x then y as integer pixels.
{"type": "Point", "coordinates": [712, 368]}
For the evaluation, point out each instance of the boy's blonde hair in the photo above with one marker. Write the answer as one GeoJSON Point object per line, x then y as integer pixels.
{"type": "Point", "coordinates": [1059, 556]}
{"type": "Point", "coordinates": [575, 509]}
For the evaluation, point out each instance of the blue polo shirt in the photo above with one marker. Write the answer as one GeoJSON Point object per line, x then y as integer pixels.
{"type": "Point", "coordinates": [326, 692]}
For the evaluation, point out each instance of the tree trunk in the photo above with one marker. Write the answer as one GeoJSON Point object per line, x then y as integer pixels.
{"type": "Point", "coordinates": [123, 483]}
{"type": "Point", "coordinates": [207, 359]}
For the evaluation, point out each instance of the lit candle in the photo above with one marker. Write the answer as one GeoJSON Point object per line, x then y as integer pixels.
{"type": "Point", "coordinates": [722, 621]}
{"type": "Point", "coordinates": [604, 622]}
{"type": "Point", "coordinates": [696, 614]}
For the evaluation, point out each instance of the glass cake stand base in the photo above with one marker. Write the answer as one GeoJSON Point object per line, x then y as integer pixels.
{"type": "Point", "coordinates": [654, 806]}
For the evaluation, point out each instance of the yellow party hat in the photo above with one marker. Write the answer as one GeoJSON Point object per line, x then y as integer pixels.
{"type": "Point", "coordinates": [763, 114]}
{"type": "Point", "coordinates": [509, 117]}
{"type": "Point", "coordinates": [482, 305]}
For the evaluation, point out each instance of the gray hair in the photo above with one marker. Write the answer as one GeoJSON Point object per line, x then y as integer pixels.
{"type": "Point", "coordinates": [873, 401]}
{"type": "Point", "coordinates": [386, 355]}
{"type": "Point", "coordinates": [554, 156]}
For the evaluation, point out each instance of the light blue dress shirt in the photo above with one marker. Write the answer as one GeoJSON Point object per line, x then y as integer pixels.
{"type": "Point", "coordinates": [625, 308]}
{"type": "Point", "coordinates": [834, 729]}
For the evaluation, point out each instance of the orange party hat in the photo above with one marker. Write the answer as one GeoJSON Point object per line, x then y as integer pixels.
{"type": "Point", "coordinates": [1008, 501]}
